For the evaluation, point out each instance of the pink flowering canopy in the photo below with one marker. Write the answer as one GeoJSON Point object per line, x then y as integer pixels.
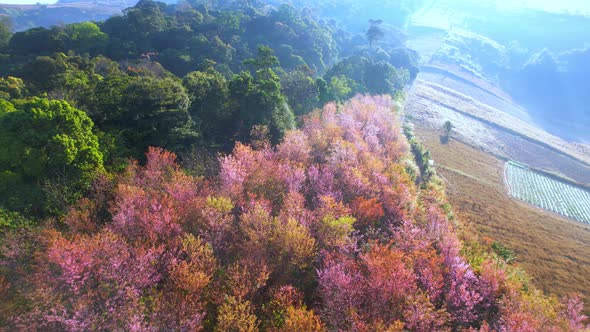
{"type": "Point", "coordinates": [326, 231]}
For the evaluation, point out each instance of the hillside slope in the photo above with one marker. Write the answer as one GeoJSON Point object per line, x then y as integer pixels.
{"type": "Point", "coordinates": [495, 131]}
{"type": "Point", "coordinates": [551, 248]}
{"type": "Point", "coordinates": [25, 17]}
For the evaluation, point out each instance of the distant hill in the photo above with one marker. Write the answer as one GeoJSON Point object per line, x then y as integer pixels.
{"type": "Point", "coordinates": [64, 12]}
{"type": "Point", "coordinates": [102, 2]}
{"type": "Point", "coordinates": [24, 17]}
{"type": "Point", "coordinates": [114, 3]}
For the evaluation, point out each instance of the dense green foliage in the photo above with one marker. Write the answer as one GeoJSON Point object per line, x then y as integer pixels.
{"type": "Point", "coordinates": [5, 33]}
{"type": "Point", "coordinates": [421, 171]}
{"type": "Point", "coordinates": [48, 155]}
{"type": "Point", "coordinates": [144, 111]}
{"type": "Point", "coordinates": [263, 94]}
{"type": "Point", "coordinates": [196, 76]}
{"type": "Point", "coordinates": [209, 95]}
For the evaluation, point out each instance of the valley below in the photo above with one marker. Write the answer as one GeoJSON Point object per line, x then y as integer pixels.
{"type": "Point", "coordinates": [552, 249]}
{"type": "Point", "coordinates": [490, 130]}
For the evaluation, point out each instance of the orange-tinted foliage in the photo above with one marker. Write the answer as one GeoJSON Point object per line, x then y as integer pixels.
{"type": "Point", "coordinates": [324, 232]}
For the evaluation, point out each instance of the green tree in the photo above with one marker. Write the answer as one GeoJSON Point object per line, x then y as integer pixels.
{"type": "Point", "coordinates": [351, 69]}
{"type": "Point", "coordinates": [105, 106]}
{"type": "Point", "coordinates": [264, 60]}
{"type": "Point", "coordinates": [46, 148]}
{"type": "Point", "coordinates": [259, 101]}
{"type": "Point", "coordinates": [12, 88]}
{"type": "Point", "coordinates": [35, 41]}
{"type": "Point", "coordinates": [341, 88]}
{"type": "Point", "coordinates": [85, 37]}
{"type": "Point", "coordinates": [448, 127]}
{"type": "Point", "coordinates": [406, 58]}
{"type": "Point", "coordinates": [208, 93]}
{"type": "Point", "coordinates": [142, 112]}
{"type": "Point", "coordinates": [10, 220]}
{"type": "Point", "coordinates": [301, 91]}
{"type": "Point", "coordinates": [157, 111]}
{"type": "Point", "coordinates": [70, 78]}
{"type": "Point", "coordinates": [131, 34]}
{"type": "Point", "coordinates": [383, 78]}
{"type": "Point", "coordinates": [43, 73]}
{"type": "Point", "coordinates": [104, 66]}
{"type": "Point", "coordinates": [375, 32]}
{"type": "Point", "coordinates": [323, 91]}
{"type": "Point", "coordinates": [361, 75]}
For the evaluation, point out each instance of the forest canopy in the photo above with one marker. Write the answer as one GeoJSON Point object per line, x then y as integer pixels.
{"type": "Point", "coordinates": [224, 166]}
{"type": "Point", "coordinates": [191, 77]}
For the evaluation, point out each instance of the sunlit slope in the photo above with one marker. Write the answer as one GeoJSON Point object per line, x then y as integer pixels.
{"type": "Point", "coordinates": [461, 81]}
{"type": "Point", "coordinates": [483, 126]}
{"type": "Point", "coordinates": [552, 248]}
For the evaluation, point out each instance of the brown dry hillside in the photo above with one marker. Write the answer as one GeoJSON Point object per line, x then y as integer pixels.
{"type": "Point", "coordinates": [555, 251]}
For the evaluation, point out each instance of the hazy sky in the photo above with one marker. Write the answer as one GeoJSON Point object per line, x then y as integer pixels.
{"type": "Point", "coordinates": [25, 2]}
{"type": "Point", "coordinates": [582, 6]}
{"type": "Point", "coordinates": [555, 5]}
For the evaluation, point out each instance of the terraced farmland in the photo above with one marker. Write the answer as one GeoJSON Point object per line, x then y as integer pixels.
{"type": "Point", "coordinates": [550, 194]}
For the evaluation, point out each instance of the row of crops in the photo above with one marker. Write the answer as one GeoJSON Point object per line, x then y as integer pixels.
{"type": "Point", "coordinates": [550, 194]}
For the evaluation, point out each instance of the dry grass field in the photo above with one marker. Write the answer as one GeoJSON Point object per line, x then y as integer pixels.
{"type": "Point", "coordinates": [555, 251]}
